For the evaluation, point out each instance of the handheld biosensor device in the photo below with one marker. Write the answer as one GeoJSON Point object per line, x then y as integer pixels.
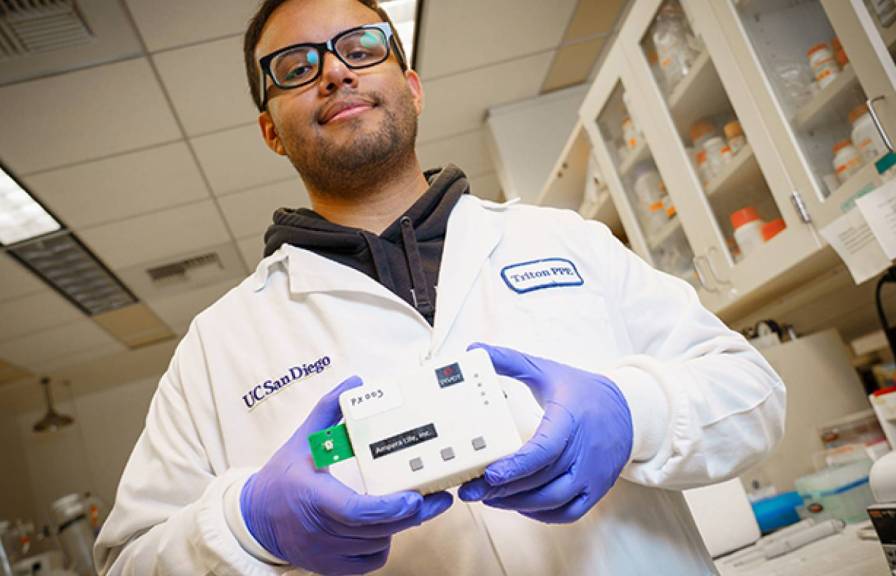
{"type": "Point", "coordinates": [426, 430]}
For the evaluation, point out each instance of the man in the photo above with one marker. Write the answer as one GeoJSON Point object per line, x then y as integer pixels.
{"type": "Point", "coordinates": [611, 367]}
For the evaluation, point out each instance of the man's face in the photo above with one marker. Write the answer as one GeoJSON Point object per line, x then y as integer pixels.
{"type": "Point", "coordinates": [377, 128]}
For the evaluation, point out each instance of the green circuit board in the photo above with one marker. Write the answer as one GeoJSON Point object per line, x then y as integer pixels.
{"type": "Point", "coordinates": [330, 446]}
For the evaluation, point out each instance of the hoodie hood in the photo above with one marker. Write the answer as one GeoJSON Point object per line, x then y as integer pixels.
{"type": "Point", "coordinates": [405, 258]}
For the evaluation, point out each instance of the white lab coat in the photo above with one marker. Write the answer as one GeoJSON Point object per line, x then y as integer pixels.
{"type": "Point", "coordinates": [705, 404]}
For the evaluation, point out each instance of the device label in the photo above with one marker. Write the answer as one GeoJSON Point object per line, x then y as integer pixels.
{"type": "Point", "coordinates": [538, 274]}
{"type": "Point", "coordinates": [449, 375]}
{"type": "Point", "coordinates": [403, 440]}
{"type": "Point", "coordinates": [370, 400]}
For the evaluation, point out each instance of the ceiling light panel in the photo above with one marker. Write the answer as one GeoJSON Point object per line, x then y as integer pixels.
{"type": "Point", "coordinates": [74, 272]}
{"type": "Point", "coordinates": [21, 216]}
{"type": "Point", "coordinates": [404, 15]}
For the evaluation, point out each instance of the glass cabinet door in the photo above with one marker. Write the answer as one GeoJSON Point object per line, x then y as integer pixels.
{"type": "Point", "coordinates": [735, 192]}
{"type": "Point", "coordinates": [658, 227]}
{"type": "Point", "coordinates": [815, 76]}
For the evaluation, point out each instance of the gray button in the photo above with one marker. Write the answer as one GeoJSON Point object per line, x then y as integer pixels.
{"type": "Point", "coordinates": [478, 443]}
{"type": "Point", "coordinates": [416, 464]}
{"type": "Point", "coordinates": [447, 453]}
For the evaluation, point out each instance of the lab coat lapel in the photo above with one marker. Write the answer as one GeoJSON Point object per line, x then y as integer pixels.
{"type": "Point", "coordinates": [472, 235]}
{"type": "Point", "coordinates": [309, 272]}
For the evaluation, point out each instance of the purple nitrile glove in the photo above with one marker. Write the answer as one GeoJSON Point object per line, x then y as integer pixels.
{"type": "Point", "coordinates": [312, 520]}
{"type": "Point", "coordinates": [577, 452]}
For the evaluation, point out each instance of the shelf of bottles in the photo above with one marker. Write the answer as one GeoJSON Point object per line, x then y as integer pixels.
{"type": "Point", "coordinates": [732, 180]}
{"type": "Point", "coordinates": [645, 192]}
{"type": "Point", "coordinates": [816, 87]}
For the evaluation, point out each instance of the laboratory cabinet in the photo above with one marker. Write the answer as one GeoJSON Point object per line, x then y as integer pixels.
{"type": "Point", "coordinates": [716, 128]}
{"type": "Point", "coordinates": [615, 120]}
{"type": "Point", "coordinates": [825, 83]}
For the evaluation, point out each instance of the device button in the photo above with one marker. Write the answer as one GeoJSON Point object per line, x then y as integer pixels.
{"type": "Point", "coordinates": [416, 464]}
{"type": "Point", "coordinates": [448, 453]}
{"type": "Point", "coordinates": [478, 443]}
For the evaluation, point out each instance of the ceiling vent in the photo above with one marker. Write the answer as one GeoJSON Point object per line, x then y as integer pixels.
{"type": "Point", "coordinates": [34, 26]}
{"type": "Point", "coordinates": [180, 271]}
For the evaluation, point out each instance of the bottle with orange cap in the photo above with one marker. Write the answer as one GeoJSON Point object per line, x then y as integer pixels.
{"type": "Point", "coordinates": [847, 160]}
{"type": "Point", "coordinates": [823, 64]}
{"type": "Point", "coordinates": [701, 131]}
{"type": "Point", "coordinates": [747, 229]}
{"type": "Point", "coordinates": [734, 133]}
{"type": "Point", "coordinates": [772, 228]}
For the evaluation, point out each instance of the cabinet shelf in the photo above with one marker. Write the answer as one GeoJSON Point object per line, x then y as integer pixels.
{"type": "Point", "coordinates": [660, 236]}
{"type": "Point", "coordinates": [742, 171]}
{"type": "Point", "coordinates": [635, 157]}
{"type": "Point", "coordinates": [831, 96]}
{"type": "Point", "coordinates": [699, 94]}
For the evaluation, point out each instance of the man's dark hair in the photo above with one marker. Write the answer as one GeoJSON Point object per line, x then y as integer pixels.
{"type": "Point", "coordinates": [253, 34]}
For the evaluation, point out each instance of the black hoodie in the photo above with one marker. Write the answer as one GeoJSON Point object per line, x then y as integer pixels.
{"type": "Point", "coordinates": [405, 258]}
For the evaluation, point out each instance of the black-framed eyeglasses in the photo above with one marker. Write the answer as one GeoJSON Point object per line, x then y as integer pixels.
{"type": "Point", "coordinates": [301, 64]}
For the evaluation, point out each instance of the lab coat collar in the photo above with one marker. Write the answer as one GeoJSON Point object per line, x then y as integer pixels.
{"type": "Point", "coordinates": [474, 229]}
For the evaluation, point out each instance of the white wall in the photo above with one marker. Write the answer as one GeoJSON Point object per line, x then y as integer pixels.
{"type": "Point", "coordinates": [527, 137]}
{"type": "Point", "coordinates": [109, 400]}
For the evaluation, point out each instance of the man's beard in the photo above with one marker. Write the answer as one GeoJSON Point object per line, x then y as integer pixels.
{"type": "Point", "coordinates": [373, 155]}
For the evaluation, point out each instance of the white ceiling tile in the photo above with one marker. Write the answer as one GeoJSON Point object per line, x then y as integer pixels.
{"type": "Point", "coordinates": [487, 186]}
{"type": "Point", "coordinates": [464, 34]}
{"type": "Point", "coordinates": [34, 350]}
{"type": "Point", "coordinates": [252, 249]}
{"type": "Point", "coordinates": [82, 356]}
{"type": "Point", "coordinates": [17, 280]}
{"type": "Point", "coordinates": [158, 235]}
{"type": "Point", "coordinates": [459, 103]}
{"type": "Point", "coordinates": [169, 23]}
{"type": "Point", "coordinates": [82, 115]}
{"type": "Point", "coordinates": [35, 312]}
{"type": "Point", "coordinates": [207, 84]}
{"type": "Point", "coordinates": [467, 151]}
{"type": "Point", "coordinates": [249, 213]}
{"type": "Point", "coordinates": [238, 159]}
{"type": "Point", "coordinates": [175, 310]}
{"type": "Point", "coordinates": [121, 186]}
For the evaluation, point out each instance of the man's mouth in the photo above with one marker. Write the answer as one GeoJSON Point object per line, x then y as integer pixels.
{"type": "Point", "coordinates": [345, 109]}
{"type": "Point", "coordinates": [349, 112]}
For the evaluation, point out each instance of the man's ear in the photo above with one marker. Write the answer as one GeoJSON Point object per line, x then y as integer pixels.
{"type": "Point", "coordinates": [269, 133]}
{"type": "Point", "coordinates": [413, 80]}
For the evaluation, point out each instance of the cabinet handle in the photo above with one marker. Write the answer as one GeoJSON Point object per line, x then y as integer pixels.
{"type": "Point", "coordinates": [877, 124]}
{"type": "Point", "coordinates": [712, 268]}
{"type": "Point", "coordinates": [700, 275]}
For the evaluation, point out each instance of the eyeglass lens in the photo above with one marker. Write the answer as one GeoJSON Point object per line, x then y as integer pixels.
{"type": "Point", "coordinates": [356, 49]}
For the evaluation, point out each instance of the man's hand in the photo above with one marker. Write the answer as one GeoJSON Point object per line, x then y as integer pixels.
{"type": "Point", "coordinates": [578, 451]}
{"type": "Point", "coordinates": [308, 518]}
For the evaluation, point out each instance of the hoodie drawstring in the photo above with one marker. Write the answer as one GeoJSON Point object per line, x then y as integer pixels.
{"type": "Point", "coordinates": [420, 295]}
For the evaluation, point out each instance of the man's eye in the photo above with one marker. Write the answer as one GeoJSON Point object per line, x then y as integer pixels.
{"type": "Point", "coordinates": [298, 72]}
{"type": "Point", "coordinates": [358, 55]}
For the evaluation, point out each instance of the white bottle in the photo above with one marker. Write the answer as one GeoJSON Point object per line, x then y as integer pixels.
{"type": "Point", "coordinates": [865, 136]}
{"type": "Point", "coordinates": [735, 135]}
{"type": "Point", "coordinates": [714, 157]}
{"type": "Point", "coordinates": [747, 229]}
{"type": "Point", "coordinates": [847, 160]}
{"type": "Point", "coordinates": [823, 64]}
{"type": "Point", "coordinates": [649, 193]}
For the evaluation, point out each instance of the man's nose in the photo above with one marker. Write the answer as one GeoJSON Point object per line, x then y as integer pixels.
{"type": "Point", "coordinates": [335, 75]}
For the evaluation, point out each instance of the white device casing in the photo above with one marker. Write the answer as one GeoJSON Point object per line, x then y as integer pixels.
{"type": "Point", "coordinates": [411, 421]}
